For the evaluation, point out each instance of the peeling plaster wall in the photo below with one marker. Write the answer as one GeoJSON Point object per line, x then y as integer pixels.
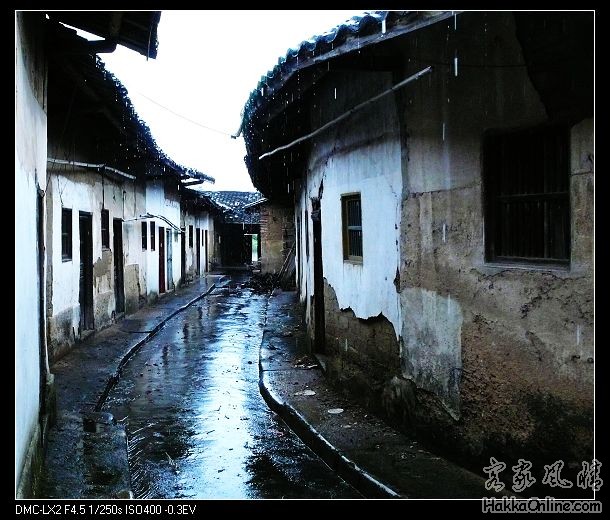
{"type": "Point", "coordinates": [495, 360]}
{"type": "Point", "coordinates": [361, 155]}
{"type": "Point", "coordinates": [506, 351]}
{"type": "Point", "coordinates": [30, 175]}
{"type": "Point", "coordinates": [81, 190]}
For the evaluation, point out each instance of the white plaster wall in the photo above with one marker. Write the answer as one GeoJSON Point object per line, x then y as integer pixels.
{"type": "Point", "coordinates": [362, 155]}
{"type": "Point", "coordinates": [30, 169]}
{"type": "Point", "coordinates": [71, 191]}
{"type": "Point", "coordinates": [203, 221]}
{"type": "Point", "coordinates": [158, 204]}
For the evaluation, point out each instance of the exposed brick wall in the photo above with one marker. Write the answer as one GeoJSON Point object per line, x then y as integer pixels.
{"type": "Point", "coordinates": [277, 236]}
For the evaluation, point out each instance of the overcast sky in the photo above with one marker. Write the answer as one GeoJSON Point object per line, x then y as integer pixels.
{"type": "Point", "coordinates": [207, 64]}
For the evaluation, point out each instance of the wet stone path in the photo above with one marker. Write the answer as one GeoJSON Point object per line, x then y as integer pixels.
{"type": "Point", "coordinates": [196, 423]}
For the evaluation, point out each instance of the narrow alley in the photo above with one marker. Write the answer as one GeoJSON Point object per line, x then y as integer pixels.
{"type": "Point", "coordinates": [305, 254]}
{"type": "Point", "coordinates": [196, 423]}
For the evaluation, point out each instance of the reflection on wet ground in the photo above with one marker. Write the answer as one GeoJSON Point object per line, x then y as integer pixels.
{"type": "Point", "coordinates": [196, 423]}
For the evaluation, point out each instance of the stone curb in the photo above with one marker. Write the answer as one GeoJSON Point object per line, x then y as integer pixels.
{"type": "Point", "coordinates": [360, 479]}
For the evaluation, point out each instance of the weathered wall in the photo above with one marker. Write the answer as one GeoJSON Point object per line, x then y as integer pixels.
{"type": "Point", "coordinates": [362, 155]}
{"type": "Point", "coordinates": [30, 176]}
{"type": "Point", "coordinates": [200, 221]}
{"type": "Point", "coordinates": [80, 190]}
{"type": "Point", "coordinates": [494, 359]}
{"type": "Point", "coordinates": [502, 356]}
{"type": "Point", "coordinates": [163, 202]}
{"type": "Point", "coordinates": [277, 226]}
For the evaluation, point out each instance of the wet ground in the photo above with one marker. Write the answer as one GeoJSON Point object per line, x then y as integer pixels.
{"type": "Point", "coordinates": [197, 425]}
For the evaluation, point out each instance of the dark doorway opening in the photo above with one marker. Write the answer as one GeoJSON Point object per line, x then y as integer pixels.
{"type": "Point", "coordinates": [85, 294]}
{"type": "Point", "coordinates": [198, 248]}
{"type": "Point", "coordinates": [170, 268]}
{"type": "Point", "coordinates": [161, 259]}
{"type": "Point", "coordinates": [318, 278]}
{"type": "Point", "coordinates": [183, 256]}
{"type": "Point", "coordinates": [205, 244]}
{"type": "Point", "coordinates": [119, 285]}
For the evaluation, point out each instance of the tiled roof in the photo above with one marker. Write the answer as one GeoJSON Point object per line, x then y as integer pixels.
{"type": "Point", "coordinates": [233, 202]}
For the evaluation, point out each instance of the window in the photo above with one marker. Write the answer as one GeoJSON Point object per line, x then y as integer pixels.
{"type": "Point", "coordinates": [527, 200]}
{"type": "Point", "coordinates": [144, 236]}
{"type": "Point", "coordinates": [105, 229]}
{"type": "Point", "coordinates": [152, 236]}
{"type": "Point", "coordinates": [66, 234]}
{"type": "Point", "coordinates": [352, 227]}
{"type": "Point", "coordinates": [190, 236]}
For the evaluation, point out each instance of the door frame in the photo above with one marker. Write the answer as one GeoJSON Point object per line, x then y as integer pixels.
{"type": "Point", "coordinates": [85, 290]}
{"type": "Point", "coordinates": [319, 343]}
{"type": "Point", "coordinates": [198, 250]}
{"type": "Point", "coordinates": [161, 259]}
{"type": "Point", "coordinates": [119, 280]}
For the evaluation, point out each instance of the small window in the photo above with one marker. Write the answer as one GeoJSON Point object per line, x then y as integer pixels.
{"type": "Point", "coordinates": [152, 236]}
{"type": "Point", "coordinates": [352, 228]}
{"type": "Point", "coordinates": [527, 201]}
{"type": "Point", "coordinates": [190, 236]}
{"type": "Point", "coordinates": [105, 229]}
{"type": "Point", "coordinates": [66, 234]}
{"type": "Point", "coordinates": [144, 236]}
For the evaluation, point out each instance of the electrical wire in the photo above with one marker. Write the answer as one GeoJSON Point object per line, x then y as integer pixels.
{"type": "Point", "coordinates": [184, 117]}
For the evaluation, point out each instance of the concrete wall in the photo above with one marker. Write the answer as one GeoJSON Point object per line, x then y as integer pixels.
{"type": "Point", "coordinates": [30, 176]}
{"type": "Point", "coordinates": [276, 235]}
{"type": "Point", "coordinates": [81, 190]}
{"type": "Point", "coordinates": [487, 359]}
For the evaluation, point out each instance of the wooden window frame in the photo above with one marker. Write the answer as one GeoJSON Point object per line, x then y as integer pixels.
{"type": "Point", "coordinates": [144, 228]}
{"type": "Point", "coordinates": [505, 242]}
{"type": "Point", "coordinates": [66, 234]}
{"type": "Point", "coordinates": [105, 230]}
{"type": "Point", "coordinates": [152, 235]}
{"type": "Point", "coordinates": [346, 228]}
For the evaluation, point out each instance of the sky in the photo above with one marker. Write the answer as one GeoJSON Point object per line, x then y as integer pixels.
{"type": "Point", "coordinates": [207, 64]}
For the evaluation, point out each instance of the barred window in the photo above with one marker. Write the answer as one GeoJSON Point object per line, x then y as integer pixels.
{"type": "Point", "coordinates": [527, 199]}
{"type": "Point", "coordinates": [66, 234]}
{"type": "Point", "coordinates": [352, 227]}
{"type": "Point", "coordinates": [152, 236]}
{"type": "Point", "coordinates": [105, 229]}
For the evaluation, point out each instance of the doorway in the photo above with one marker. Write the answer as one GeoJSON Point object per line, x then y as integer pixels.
{"type": "Point", "coordinates": [183, 256]}
{"type": "Point", "coordinates": [161, 259]}
{"type": "Point", "coordinates": [198, 249]}
{"type": "Point", "coordinates": [205, 244]}
{"type": "Point", "coordinates": [119, 285]}
{"type": "Point", "coordinates": [170, 272]}
{"type": "Point", "coordinates": [318, 278]}
{"type": "Point", "coordinates": [85, 293]}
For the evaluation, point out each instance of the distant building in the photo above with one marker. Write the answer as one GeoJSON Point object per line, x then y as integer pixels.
{"type": "Point", "coordinates": [237, 230]}
{"type": "Point", "coordinates": [440, 167]}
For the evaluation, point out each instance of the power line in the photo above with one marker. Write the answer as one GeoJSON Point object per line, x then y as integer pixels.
{"type": "Point", "coordinates": [184, 117]}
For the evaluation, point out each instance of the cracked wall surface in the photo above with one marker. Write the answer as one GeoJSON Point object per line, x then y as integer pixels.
{"type": "Point", "coordinates": [486, 359]}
